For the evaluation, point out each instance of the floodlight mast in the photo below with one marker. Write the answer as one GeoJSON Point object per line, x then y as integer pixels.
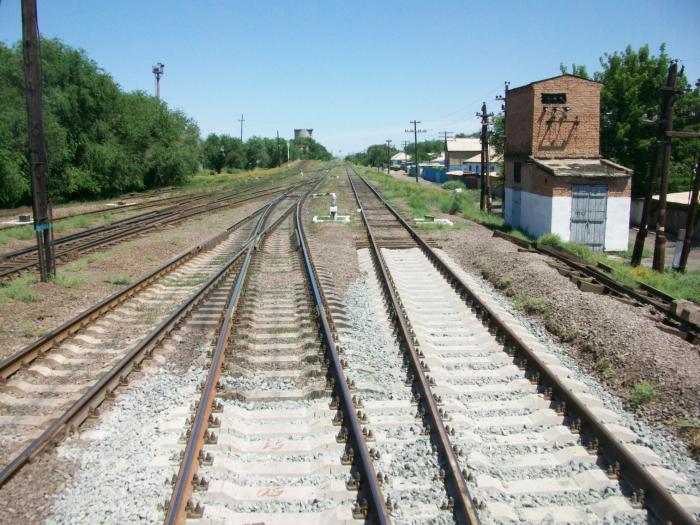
{"type": "Point", "coordinates": [158, 72]}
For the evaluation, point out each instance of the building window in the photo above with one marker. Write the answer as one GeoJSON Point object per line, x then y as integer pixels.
{"type": "Point", "coordinates": [517, 167]}
{"type": "Point", "coordinates": [553, 98]}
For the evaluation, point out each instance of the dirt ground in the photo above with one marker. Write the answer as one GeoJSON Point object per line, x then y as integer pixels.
{"type": "Point", "coordinates": [86, 281]}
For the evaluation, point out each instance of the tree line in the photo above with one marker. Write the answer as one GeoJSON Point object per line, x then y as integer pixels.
{"type": "Point", "coordinates": [629, 103]}
{"type": "Point", "coordinates": [102, 141]}
{"type": "Point", "coordinates": [224, 152]}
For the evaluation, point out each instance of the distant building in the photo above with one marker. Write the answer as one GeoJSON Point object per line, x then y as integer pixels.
{"type": "Point", "coordinates": [305, 133]}
{"type": "Point", "coordinates": [399, 158]}
{"type": "Point", "coordinates": [555, 178]}
{"type": "Point", "coordinates": [465, 156]}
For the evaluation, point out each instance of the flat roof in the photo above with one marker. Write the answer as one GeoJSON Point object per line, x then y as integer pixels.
{"type": "Point", "coordinates": [582, 167]}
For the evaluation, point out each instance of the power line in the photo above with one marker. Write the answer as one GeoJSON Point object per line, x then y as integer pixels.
{"type": "Point", "coordinates": [415, 141]}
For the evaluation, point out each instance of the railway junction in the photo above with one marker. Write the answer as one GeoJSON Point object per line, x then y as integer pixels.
{"type": "Point", "coordinates": [290, 370]}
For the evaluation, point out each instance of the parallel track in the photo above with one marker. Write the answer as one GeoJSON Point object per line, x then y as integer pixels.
{"type": "Point", "coordinates": [569, 402]}
{"type": "Point", "coordinates": [69, 246]}
{"type": "Point", "coordinates": [266, 330]}
{"type": "Point", "coordinates": [51, 386]}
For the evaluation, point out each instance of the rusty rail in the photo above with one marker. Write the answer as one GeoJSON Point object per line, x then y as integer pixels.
{"type": "Point", "coordinates": [378, 512]}
{"type": "Point", "coordinates": [180, 503]}
{"type": "Point", "coordinates": [655, 496]}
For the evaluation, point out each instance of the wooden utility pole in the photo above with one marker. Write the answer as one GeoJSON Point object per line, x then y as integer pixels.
{"type": "Point", "coordinates": [415, 141]}
{"type": "Point", "coordinates": [485, 199]}
{"type": "Point", "coordinates": [279, 157]}
{"type": "Point", "coordinates": [241, 120]}
{"type": "Point", "coordinates": [445, 136]}
{"type": "Point", "coordinates": [660, 240]}
{"type": "Point", "coordinates": [690, 223]}
{"type": "Point", "coordinates": [664, 125]}
{"type": "Point", "coordinates": [37, 146]}
{"type": "Point", "coordinates": [388, 155]}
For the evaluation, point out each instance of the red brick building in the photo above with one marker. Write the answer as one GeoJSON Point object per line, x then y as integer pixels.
{"type": "Point", "coordinates": [555, 178]}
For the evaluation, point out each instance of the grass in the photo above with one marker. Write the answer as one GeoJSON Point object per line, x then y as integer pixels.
{"type": "Point", "coordinates": [16, 233]}
{"type": "Point", "coordinates": [675, 284]}
{"type": "Point", "coordinates": [19, 289]}
{"type": "Point", "coordinates": [533, 305]}
{"type": "Point", "coordinates": [67, 281]}
{"type": "Point", "coordinates": [642, 393]}
{"type": "Point", "coordinates": [117, 279]}
{"type": "Point", "coordinates": [30, 329]}
{"type": "Point", "coordinates": [83, 262]}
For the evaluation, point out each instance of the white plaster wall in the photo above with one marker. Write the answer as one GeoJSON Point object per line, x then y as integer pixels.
{"type": "Point", "coordinates": [617, 224]}
{"type": "Point", "coordinates": [561, 216]}
{"type": "Point", "coordinates": [535, 213]}
{"type": "Point", "coordinates": [508, 209]}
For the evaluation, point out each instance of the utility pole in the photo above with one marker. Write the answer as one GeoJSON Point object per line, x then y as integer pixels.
{"type": "Point", "coordinates": [666, 108]}
{"type": "Point", "coordinates": [241, 120]}
{"type": "Point", "coordinates": [445, 135]}
{"type": "Point", "coordinates": [279, 158]}
{"type": "Point", "coordinates": [659, 261]}
{"type": "Point", "coordinates": [158, 72]}
{"type": "Point", "coordinates": [415, 141]}
{"type": "Point", "coordinates": [485, 199]}
{"type": "Point", "coordinates": [37, 146]}
{"type": "Point", "coordinates": [690, 223]}
{"type": "Point", "coordinates": [504, 107]}
{"type": "Point", "coordinates": [388, 155]}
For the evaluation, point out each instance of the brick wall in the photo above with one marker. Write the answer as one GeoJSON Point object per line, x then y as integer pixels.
{"type": "Point", "coordinates": [535, 129]}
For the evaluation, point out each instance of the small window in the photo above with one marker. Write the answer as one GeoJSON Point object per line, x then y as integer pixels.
{"type": "Point", "coordinates": [553, 98]}
{"type": "Point", "coordinates": [517, 167]}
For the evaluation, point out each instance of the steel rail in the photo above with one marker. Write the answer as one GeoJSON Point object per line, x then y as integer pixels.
{"type": "Point", "coordinates": [656, 497]}
{"type": "Point", "coordinates": [89, 402]}
{"type": "Point", "coordinates": [180, 501]}
{"type": "Point", "coordinates": [465, 510]}
{"type": "Point", "coordinates": [379, 511]}
{"type": "Point", "coordinates": [126, 230]}
{"type": "Point", "coordinates": [26, 355]}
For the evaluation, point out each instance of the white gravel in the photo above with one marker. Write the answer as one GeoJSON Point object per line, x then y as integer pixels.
{"type": "Point", "coordinates": [668, 448]}
{"type": "Point", "coordinates": [118, 481]}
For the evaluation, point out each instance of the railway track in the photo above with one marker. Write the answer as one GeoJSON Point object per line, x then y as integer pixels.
{"type": "Point", "coordinates": [531, 442]}
{"type": "Point", "coordinates": [72, 245]}
{"type": "Point", "coordinates": [274, 437]}
{"type": "Point", "coordinates": [599, 279]}
{"type": "Point", "coordinates": [50, 387]}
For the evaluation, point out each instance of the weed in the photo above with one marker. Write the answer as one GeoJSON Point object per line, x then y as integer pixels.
{"type": "Point", "coordinates": [19, 289]}
{"type": "Point", "coordinates": [177, 240]}
{"type": "Point", "coordinates": [30, 329]}
{"type": "Point", "coordinates": [486, 271]}
{"type": "Point", "coordinates": [503, 283]}
{"type": "Point", "coordinates": [533, 305]}
{"type": "Point", "coordinates": [117, 279]}
{"type": "Point", "coordinates": [550, 239]}
{"type": "Point", "coordinates": [643, 392]}
{"type": "Point", "coordinates": [16, 233]}
{"type": "Point", "coordinates": [602, 366]}
{"type": "Point", "coordinates": [68, 282]}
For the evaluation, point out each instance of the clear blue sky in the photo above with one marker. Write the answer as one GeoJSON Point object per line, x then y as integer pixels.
{"type": "Point", "coordinates": [355, 71]}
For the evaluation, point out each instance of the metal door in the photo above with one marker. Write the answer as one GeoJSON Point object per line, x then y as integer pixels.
{"type": "Point", "coordinates": [588, 210]}
{"type": "Point", "coordinates": [515, 209]}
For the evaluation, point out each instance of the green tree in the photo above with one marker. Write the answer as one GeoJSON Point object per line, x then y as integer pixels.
{"type": "Point", "coordinates": [630, 97]}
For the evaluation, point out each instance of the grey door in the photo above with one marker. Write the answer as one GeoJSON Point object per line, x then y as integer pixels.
{"type": "Point", "coordinates": [515, 209]}
{"type": "Point", "coordinates": [589, 204]}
